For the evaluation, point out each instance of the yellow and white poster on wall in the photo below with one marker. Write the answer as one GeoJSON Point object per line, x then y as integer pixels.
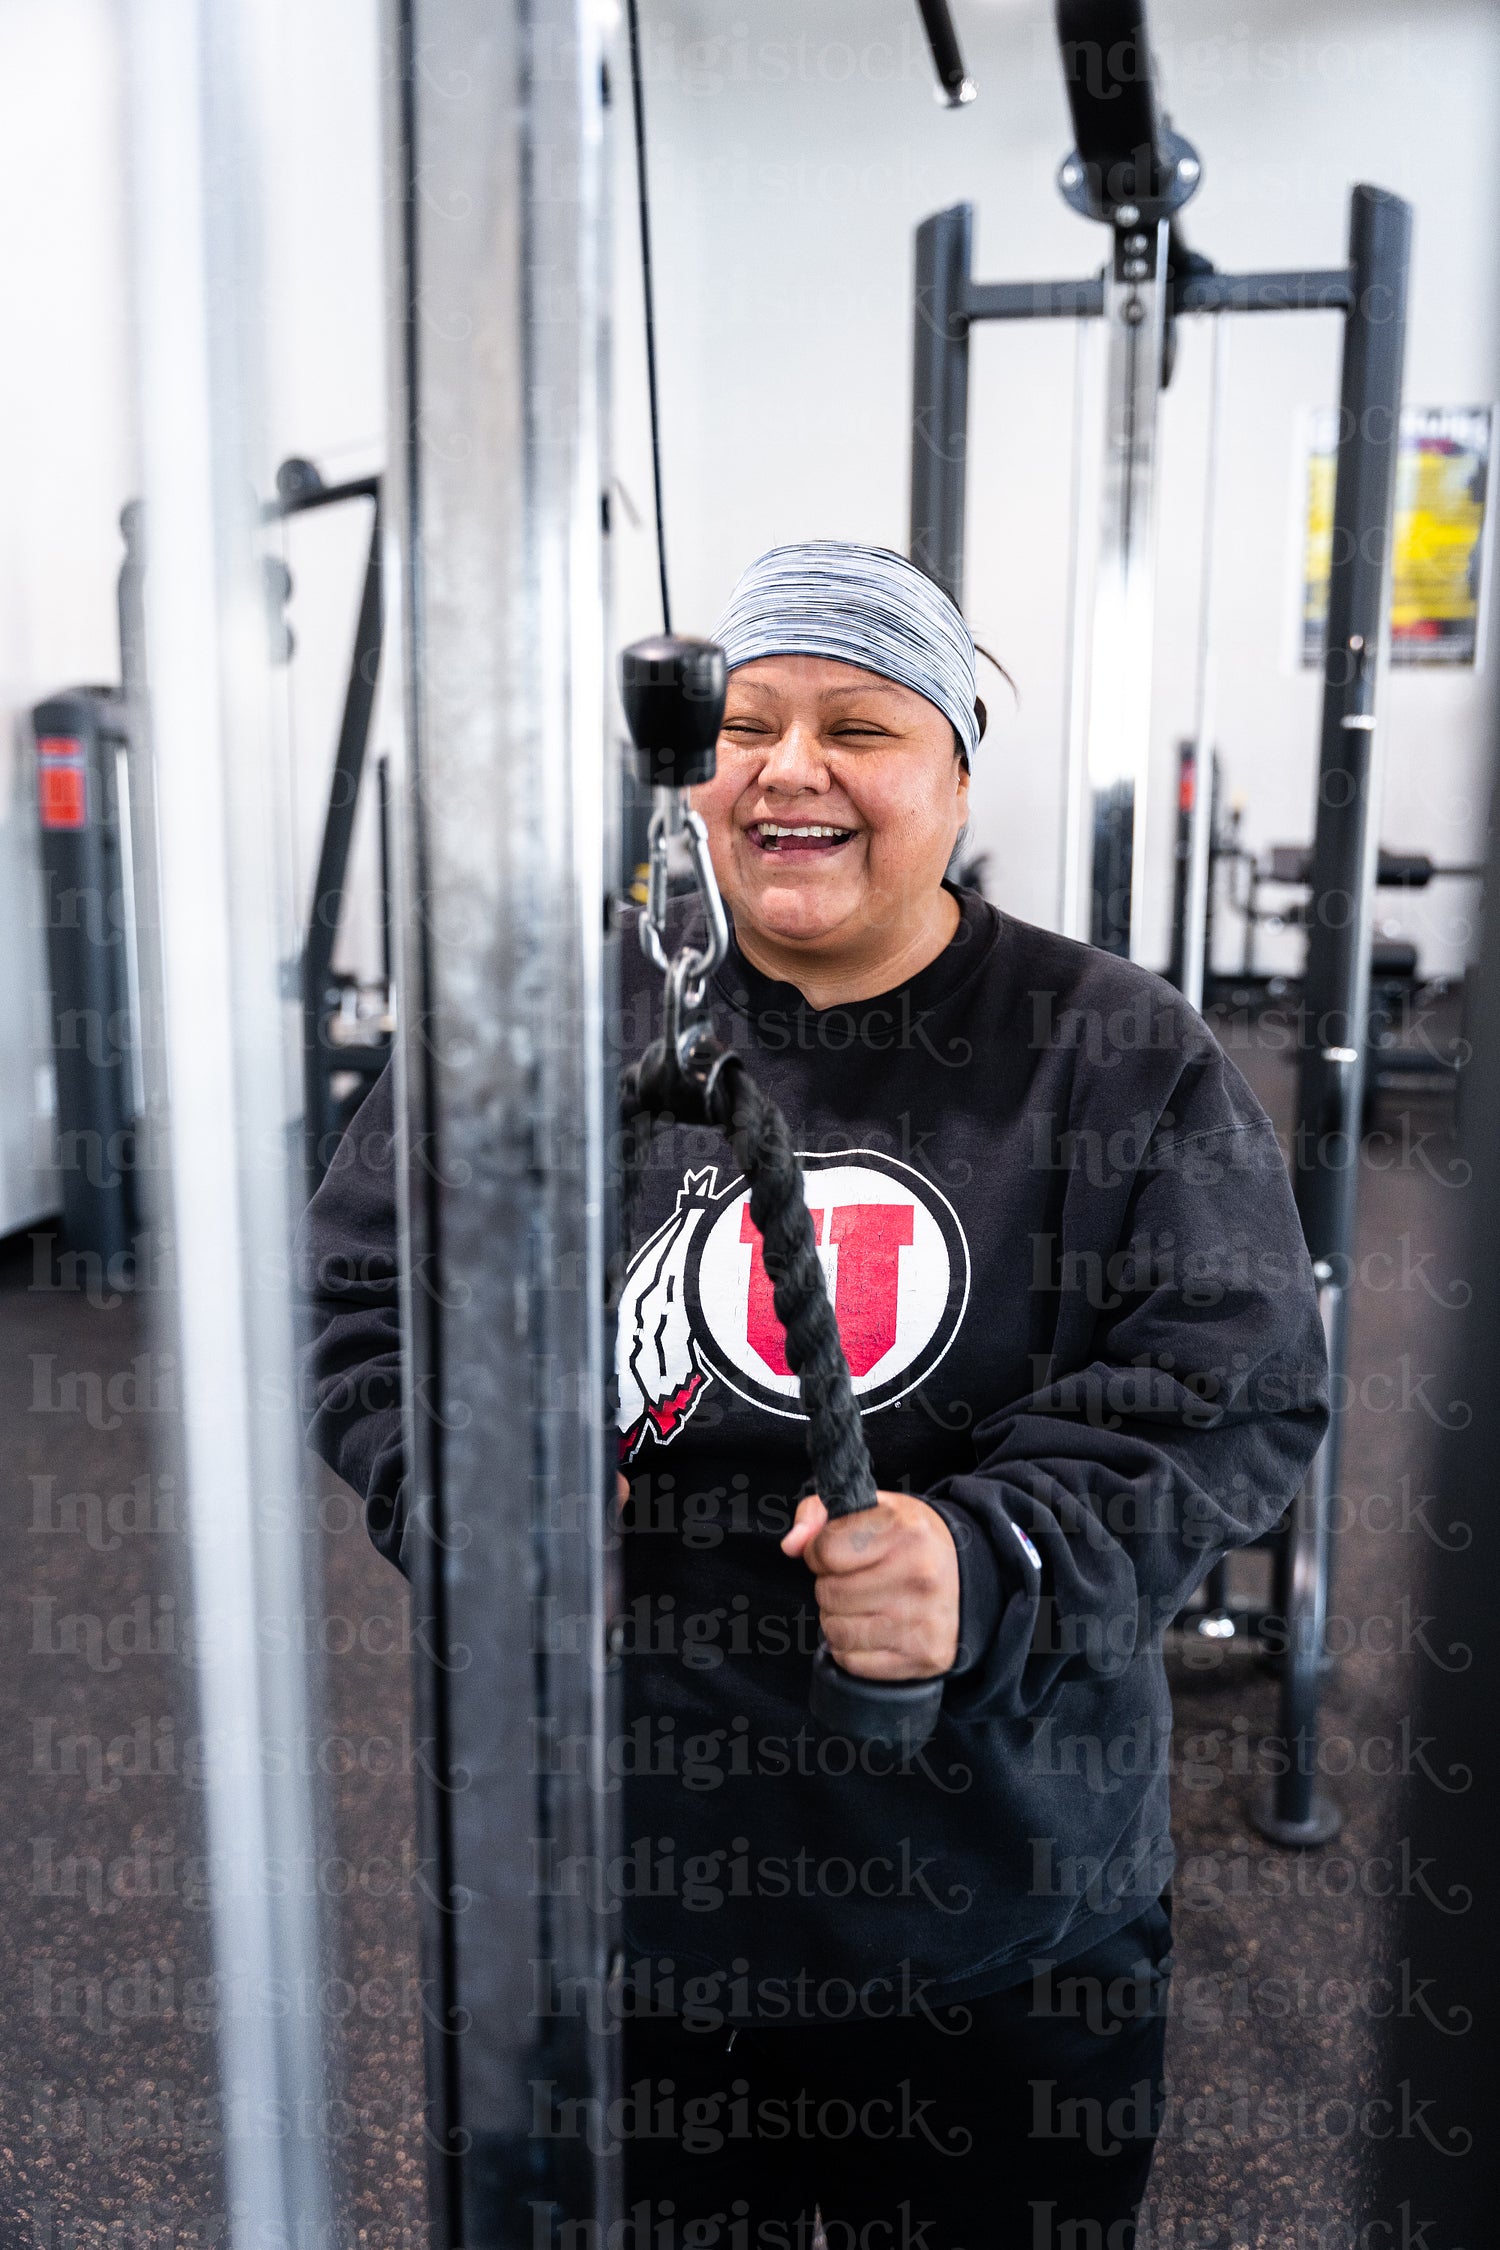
{"type": "Point", "coordinates": [1441, 488]}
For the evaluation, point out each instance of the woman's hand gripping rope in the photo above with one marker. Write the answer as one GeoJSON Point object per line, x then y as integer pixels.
{"type": "Point", "coordinates": [887, 1585]}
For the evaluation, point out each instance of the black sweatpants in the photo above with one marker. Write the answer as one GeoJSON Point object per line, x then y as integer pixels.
{"type": "Point", "coordinates": [1021, 2121]}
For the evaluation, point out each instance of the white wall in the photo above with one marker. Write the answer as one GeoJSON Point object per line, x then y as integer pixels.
{"type": "Point", "coordinates": [67, 456]}
{"type": "Point", "coordinates": [326, 360]}
{"type": "Point", "coordinates": [794, 150]}
{"type": "Point", "coordinates": [64, 472]}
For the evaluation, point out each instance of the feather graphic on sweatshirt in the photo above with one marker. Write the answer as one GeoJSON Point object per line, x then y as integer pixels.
{"type": "Point", "coordinates": [660, 1379]}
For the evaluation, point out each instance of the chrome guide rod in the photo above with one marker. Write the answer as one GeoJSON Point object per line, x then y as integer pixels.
{"type": "Point", "coordinates": [1119, 693]}
{"type": "Point", "coordinates": [1195, 965]}
{"type": "Point", "coordinates": [1074, 903]}
{"type": "Point", "coordinates": [201, 89]}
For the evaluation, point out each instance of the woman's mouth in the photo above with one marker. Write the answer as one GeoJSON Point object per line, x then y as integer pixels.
{"type": "Point", "coordinates": [797, 839]}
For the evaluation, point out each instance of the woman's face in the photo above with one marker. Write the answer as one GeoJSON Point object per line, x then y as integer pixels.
{"type": "Point", "coordinates": [836, 805]}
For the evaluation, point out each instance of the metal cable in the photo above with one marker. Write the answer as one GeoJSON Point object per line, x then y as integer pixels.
{"type": "Point", "coordinates": [648, 295]}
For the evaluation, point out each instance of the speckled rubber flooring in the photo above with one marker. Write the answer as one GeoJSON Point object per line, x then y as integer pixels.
{"type": "Point", "coordinates": [110, 2126]}
{"type": "Point", "coordinates": [109, 2122]}
{"type": "Point", "coordinates": [1285, 1973]}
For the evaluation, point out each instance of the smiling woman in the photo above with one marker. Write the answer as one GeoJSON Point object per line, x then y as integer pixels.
{"type": "Point", "coordinates": [1015, 1150]}
{"type": "Point", "coordinates": [832, 818]}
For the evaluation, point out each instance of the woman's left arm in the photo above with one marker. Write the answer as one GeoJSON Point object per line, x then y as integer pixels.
{"type": "Point", "coordinates": [1099, 1501]}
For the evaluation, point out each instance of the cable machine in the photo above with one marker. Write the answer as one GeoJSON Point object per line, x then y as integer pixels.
{"type": "Point", "coordinates": [508, 824]}
{"type": "Point", "coordinates": [346, 1033]}
{"type": "Point", "coordinates": [1400, 1050]}
{"type": "Point", "coordinates": [1130, 172]}
{"type": "Point", "coordinates": [495, 552]}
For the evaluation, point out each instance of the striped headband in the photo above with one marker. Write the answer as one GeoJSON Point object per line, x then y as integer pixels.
{"type": "Point", "coordinates": [860, 605]}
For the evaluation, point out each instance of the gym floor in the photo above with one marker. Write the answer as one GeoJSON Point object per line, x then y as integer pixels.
{"type": "Point", "coordinates": [109, 2134]}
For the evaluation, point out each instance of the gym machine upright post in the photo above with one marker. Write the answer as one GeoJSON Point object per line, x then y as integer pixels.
{"type": "Point", "coordinates": [506, 829]}
{"type": "Point", "coordinates": [1129, 172]}
{"type": "Point", "coordinates": [506, 809]}
{"type": "Point", "coordinates": [333, 1046]}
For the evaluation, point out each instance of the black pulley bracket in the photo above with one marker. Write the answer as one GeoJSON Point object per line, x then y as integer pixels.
{"type": "Point", "coordinates": [1127, 165]}
{"type": "Point", "coordinates": [668, 691]}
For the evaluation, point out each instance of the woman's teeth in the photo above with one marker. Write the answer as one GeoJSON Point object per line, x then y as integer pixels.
{"type": "Point", "coordinates": [776, 835]}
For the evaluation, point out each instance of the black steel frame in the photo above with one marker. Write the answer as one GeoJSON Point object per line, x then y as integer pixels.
{"type": "Point", "coordinates": [1370, 292]}
{"type": "Point", "coordinates": [1335, 1004]}
{"type": "Point", "coordinates": [948, 304]}
{"type": "Point", "coordinates": [300, 490]}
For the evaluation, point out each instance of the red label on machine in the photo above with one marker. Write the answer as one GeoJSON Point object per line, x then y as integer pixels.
{"type": "Point", "coordinates": [63, 796]}
{"type": "Point", "coordinates": [59, 746]}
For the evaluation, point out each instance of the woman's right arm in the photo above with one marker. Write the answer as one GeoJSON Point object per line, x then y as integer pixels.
{"type": "Point", "coordinates": [351, 1363]}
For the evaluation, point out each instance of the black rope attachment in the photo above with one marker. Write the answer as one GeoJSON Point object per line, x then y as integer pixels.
{"type": "Point", "coordinates": [727, 1096]}
{"type": "Point", "coordinates": [717, 1089]}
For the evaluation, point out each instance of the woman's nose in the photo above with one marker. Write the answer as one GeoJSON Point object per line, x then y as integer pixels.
{"type": "Point", "coordinates": [795, 761]}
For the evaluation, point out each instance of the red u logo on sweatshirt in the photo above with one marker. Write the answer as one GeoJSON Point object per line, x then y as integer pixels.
{"type": "Point", "coordinates": [698, 1303]}
{"type": "Point", "coordinates": [869, 1238]}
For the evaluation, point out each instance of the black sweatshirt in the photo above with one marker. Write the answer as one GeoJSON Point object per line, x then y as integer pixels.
{"type": "Point", "coordinates": [1081, 1321]}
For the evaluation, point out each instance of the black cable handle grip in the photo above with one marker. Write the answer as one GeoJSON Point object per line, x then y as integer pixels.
{"type": "Point", "coordinates": [900, 1713]}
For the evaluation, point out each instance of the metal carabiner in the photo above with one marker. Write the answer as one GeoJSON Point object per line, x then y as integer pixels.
{"type": "Point", "coordinates": [671, 816]}
{"type": "Point", "coordinates": [688, 1033]}
{"type": "Point", "coordinates": [654, 917]}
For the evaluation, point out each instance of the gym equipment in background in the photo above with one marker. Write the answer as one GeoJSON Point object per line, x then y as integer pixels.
{"type": "Point", "coordinates": [85, 832]}
{"type": "Point", "coordinates": [1129, 171]}
{"type": "Point", "coordinates": [347, 1026]}
{"type": "Point", "coordinates": [91, 821]}
{"type": "Point", "coordinates": [1404, 1045]}
{"type": "Point", "coordinates": [90, 835]}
